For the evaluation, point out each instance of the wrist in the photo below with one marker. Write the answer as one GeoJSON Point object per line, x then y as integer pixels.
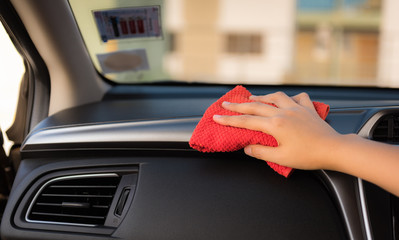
{"type": "Point", "coordinates": [340, 151]}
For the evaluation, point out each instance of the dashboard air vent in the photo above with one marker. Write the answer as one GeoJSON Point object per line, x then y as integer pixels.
{"type": "Point", "coordinates": [387, 129]}
{"type": "Point", "coordinates": [74, 200]}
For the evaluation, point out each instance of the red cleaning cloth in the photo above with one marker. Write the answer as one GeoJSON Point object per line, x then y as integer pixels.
{"type": "Point", "coordinates": [210, 136]}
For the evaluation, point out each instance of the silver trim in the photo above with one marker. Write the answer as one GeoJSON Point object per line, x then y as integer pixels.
{"type": "Point", "coordinates": [56, 180]}
{"type": "Point", "coordinates": [365, 132]}
{"type": "Point", "coordinates": [365, 214]}
{"type": "Point", "coordinates": [172, 130]}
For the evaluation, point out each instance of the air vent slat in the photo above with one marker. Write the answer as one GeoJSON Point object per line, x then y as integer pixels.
{"type": "Point", "coordinates": [68, 215]}
{"type": "Point", "coordinates": [81, 199]}
{"type": "Point", "coordinates": [60, 205]}
{"type": "Point", "coordinates": [87, 186]}
{"type": "Point", "coordinates": [49, 204]}
{"type": "Point", "coordinates": [77, 195]}
{"type": "Point", "coordinates": [99, 206]}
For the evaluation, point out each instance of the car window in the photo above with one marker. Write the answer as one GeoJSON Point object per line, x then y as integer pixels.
{"type": "Point", "coordinates": [11, 71]}
{"type": "Point", "coordinates": [304, 42]}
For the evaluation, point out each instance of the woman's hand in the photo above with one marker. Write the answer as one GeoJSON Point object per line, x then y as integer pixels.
{"type": "Point", "coordinates": [305, 140]}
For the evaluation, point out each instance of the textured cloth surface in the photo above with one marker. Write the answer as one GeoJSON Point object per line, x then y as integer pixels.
{"type": "Point", "coordinates": [210, 136]}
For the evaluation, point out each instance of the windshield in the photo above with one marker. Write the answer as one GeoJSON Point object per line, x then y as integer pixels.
{"type": "Point", "coordinates": [304, 42]}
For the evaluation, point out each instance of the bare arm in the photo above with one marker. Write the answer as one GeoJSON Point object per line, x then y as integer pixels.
{"type": "Point", "coordinates": [308, 142]}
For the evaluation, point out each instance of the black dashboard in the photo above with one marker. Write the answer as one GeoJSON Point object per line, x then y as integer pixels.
{"type": "Point", "coordinates": [122, 168]}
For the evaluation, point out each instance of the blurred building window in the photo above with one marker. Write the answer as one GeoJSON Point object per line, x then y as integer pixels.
{"type": "Point", "coordinates": [244, 43]}
{"type": "Point", "coordinates": [172, 42]}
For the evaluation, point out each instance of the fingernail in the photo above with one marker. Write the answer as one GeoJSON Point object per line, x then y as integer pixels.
{"type": "Point", "coordinates": [253, 96]}
{"type": "Point", "coordinates": [248, 150]}
{"type": "Point", "coordinates": [217, 117]}
{"type": "Point", "coordinates": [225, 103]}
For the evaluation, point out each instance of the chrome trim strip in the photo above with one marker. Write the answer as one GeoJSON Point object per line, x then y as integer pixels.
{"type": "Point", "coordinates": [365, 132]}
{"type": "Point", "coordinates": [365, 214]}
{"type": "Point", "coordinates": [172, 130]}
{"type": "Point", "coordinates": [56, 180]}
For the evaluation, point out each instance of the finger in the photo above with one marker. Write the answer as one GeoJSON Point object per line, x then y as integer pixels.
{"type": "Point", "coordinates": [243, 121]}
{"type": "Point", "coordinates": [303, 99]}
{"type": "Point", "coordinates": [251, 108]}
{"type": "Point", "coordinates": [279, 99]}
{"type": "Point", "coordinates": [261, 152]}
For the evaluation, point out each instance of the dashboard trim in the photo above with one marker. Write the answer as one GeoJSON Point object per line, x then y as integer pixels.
{"type": "Point", "coordinates": [161, 131]}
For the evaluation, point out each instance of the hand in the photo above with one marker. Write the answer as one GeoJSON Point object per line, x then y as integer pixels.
{"type": "Point", "coordinates": [305, 140]}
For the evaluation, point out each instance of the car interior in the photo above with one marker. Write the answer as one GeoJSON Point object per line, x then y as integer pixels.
{"type": "Point", "coordinates": [101, 133]}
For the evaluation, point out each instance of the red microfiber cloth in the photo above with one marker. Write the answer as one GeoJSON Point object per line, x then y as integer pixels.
{"type": "Point", "coordinates": [210, 136]}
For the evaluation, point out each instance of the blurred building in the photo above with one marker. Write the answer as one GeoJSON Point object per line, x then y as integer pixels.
{"type": "Point", "coordinates": [231, 41]}
{"type": "Point", "coordinates": [334, 42]}
{"type": "Point", "coordinates": [388, 64]}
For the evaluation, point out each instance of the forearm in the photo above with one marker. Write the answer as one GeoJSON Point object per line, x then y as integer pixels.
{"type": "Point", "coordinates": [371, 161]}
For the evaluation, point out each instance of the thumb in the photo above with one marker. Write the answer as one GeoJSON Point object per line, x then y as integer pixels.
{"type": "Point", "coordinates": [262, 152]}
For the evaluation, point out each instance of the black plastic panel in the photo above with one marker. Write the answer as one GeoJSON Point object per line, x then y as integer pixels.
{"type": "Point", "coordinates": [232, 198]}
{"type": "Point", "coordinates": [380, 211]}
{"type": "Point", "coordinates": [203, 196]}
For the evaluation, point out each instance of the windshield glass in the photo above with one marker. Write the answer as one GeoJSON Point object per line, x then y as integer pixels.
{"type": "Point", "coordinates": [312, 42]}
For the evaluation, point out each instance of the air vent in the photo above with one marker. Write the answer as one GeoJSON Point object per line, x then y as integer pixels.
{"type": "Point", "coordinates": [387, 129]}
{"type": "Point", "coordinates": [74, 200]}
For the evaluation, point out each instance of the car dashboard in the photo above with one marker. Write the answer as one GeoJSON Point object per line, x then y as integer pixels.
{"type": "Point", "coordinates": [122, 168]}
